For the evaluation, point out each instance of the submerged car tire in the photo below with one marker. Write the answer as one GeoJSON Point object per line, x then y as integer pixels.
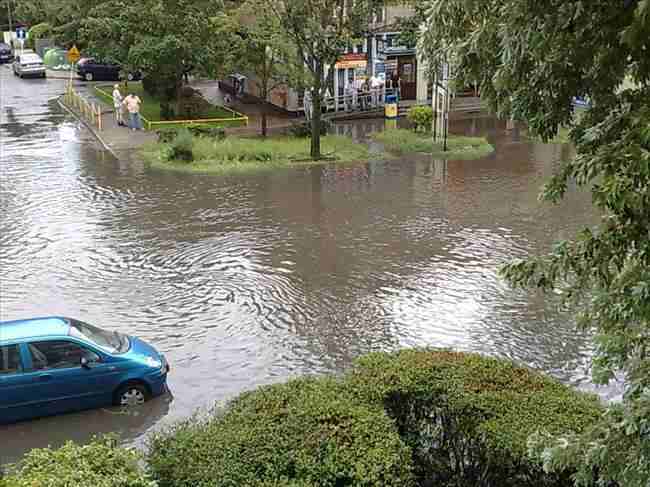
{"type": "Point", "coordinates": [131, 394]}
{"type": "Point", "coordinates": [89, 77]}
{"type": "Point", "coordinates": [130, 77]}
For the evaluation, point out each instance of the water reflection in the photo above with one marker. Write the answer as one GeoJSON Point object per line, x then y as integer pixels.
{"type": "Point", "coordinates": [243, 281]}
{"type": "Point", "coordinates": [80, 427]}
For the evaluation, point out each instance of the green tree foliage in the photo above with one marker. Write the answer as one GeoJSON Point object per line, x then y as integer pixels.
{"type": "Point", "coordinates": [65, 16]}
{"type": "Point", "coordinates": [417, 417]}
{"type": "Point", "coordinates": [162, 38]}
{"type": "Point", "coordinates": [101, 463]}
{"type": "Point", "coordinates": [531, 58]}
{"type": "Point", "coordinates": [266, 52]}
{"type": "Point", "coordinates": [320, 30]}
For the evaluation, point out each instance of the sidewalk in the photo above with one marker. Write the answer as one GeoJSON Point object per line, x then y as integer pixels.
{"type": "Point", "coordinates": [114, 138]}
{"type": "Point", "coordinates": [51, 74]}
{"type": "Point", "coordinates": [276, 119]}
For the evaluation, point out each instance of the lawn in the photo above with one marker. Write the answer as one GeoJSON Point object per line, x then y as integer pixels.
{"type": "Point", "coordinates": [237, 154]}
{"type": "Point", "coordinates": [402, 141]}
{"type": "Point", "coordinates": [150, 108]}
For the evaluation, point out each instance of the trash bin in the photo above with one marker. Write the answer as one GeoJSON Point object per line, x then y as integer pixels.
{"type": "Point", "coordinates": [390, 107]}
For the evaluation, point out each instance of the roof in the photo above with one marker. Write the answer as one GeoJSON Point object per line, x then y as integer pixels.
{"type": "Point", "coordinates": [33, 328]}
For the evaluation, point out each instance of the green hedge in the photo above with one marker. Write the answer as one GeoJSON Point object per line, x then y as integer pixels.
{"type": "Point", "coordinates": [99, 464]}
{"type": "Point", "coordinates": [417, 417]}
{"type": "Point", "coordinates": [307, 432]}
{"type": "Point", "coordinates": [468, 418]}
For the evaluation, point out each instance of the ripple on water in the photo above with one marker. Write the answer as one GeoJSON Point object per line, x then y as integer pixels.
{"type": "Point", "coordinates": [243, 281]}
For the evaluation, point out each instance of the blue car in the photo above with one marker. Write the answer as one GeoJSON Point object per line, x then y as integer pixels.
{"type": "Point", "coordinates": [56, 365]}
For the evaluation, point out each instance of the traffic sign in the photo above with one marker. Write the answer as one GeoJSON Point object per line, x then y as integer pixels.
{"type": "Point", "coordinates": [74, 55]}
{"type": "Point", "coordinates": [21, 33]}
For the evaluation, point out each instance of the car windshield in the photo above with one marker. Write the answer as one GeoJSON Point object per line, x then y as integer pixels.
{"type": "Point", "coordinates": [31, 59]}
{"type": "Point", "coordinates": [111, 341]}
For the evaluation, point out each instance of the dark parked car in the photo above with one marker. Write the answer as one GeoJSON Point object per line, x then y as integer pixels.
{"type": "Point", "coordinates": [91, 70]}
{"type": "Point", "coordinates": [6, 56]}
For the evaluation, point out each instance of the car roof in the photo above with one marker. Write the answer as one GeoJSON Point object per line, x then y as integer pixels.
{"type": "Point", "coordinates": [33, 328]}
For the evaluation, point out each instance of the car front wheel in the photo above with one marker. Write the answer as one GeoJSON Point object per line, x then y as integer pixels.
{"type": "Point", "coordinates": [89, 77]}
{"type": "Point", "coordinates": [133, 394]}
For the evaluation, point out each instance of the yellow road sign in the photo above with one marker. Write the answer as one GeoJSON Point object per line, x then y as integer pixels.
{"type": "Point", "coordinates": [74, 54]}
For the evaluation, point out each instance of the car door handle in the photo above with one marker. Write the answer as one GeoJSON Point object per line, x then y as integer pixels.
{"type": "Point", "coordinates": [45, 377]}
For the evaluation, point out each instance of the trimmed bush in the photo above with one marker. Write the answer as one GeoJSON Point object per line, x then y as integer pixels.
{"type": "Point", "coordinates": [421, 118]}
{"type": "Point", "coordinates": [182, 146]}
{"type": "Point", "coordinates": [205, 130]}
{"type": "Point", "coordinates": [99, 464]}
{"type": "Point", "coordinates": [468, 418]}
{"type": "Point", "coordinates": [307, 432]}
{"type": "Point", "coordinates": [167, 136]}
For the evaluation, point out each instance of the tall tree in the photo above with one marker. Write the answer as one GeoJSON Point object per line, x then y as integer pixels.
{"type": "Point", "coordinates": [531, 58]}
{"type": "Point", "coordinates": [163, 38]}
{"type": "Point", "coordinates": [321, 30]}
{"type": "Point", "coordinates": [65, 16]}
{"type": "Point", "coordinates": [266, 52]}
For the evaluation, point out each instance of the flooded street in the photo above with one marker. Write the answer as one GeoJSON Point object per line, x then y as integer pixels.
{"type": "Point", "coordinates": [247, 280]}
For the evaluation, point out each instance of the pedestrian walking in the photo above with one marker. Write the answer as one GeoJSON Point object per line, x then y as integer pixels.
{"type": "Point", "coordinates": [307, 105]}
{"type": "Point", "coordinates": [117, 104]}
{"type": "Point", "coordinates": [132, 103]}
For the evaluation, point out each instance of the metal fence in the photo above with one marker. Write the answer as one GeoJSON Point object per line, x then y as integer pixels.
{"type": "Point", "coordinates": [89, 111]}
{"type": "Point", "coordinates": [361, 101]}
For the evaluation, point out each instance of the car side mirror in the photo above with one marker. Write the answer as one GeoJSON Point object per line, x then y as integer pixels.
{"type": "Point", "coordinates": [85, 363]}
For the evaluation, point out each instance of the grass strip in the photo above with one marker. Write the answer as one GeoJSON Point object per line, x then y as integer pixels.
{"type": "Point", "coordinates": [403, 141]}
{"type": "Point", "coordinates": [238, 154]}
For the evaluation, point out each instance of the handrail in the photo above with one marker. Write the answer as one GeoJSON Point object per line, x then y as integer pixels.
{"type": "Point", "coordinates": [90, 111]}
{"type": "Point", "coordinates": [366, 100]}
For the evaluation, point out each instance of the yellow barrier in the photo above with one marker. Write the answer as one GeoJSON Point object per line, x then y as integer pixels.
{"type": "Point", "coordinates": [238, 117]}
{"type": "Point", "coordinates": [90, 111]}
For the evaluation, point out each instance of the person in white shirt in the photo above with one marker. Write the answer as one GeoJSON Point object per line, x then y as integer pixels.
{"type": "Point", "coordinates": [117, 104]}
{"type": "Point", "coordinates": [307, 104]}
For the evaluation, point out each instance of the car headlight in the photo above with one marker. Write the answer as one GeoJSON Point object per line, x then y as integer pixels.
{"type": "Point", "coordinates": [152, 362]}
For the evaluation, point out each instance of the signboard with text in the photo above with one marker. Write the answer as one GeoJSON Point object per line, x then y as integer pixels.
{"type": "Point", "coordinates": [352, 61]}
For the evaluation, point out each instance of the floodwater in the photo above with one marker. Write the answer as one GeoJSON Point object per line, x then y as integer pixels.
{"type": "Point", "coordinates": [248, 280]}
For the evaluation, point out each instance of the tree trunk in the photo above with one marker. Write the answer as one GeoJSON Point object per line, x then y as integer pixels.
{"type": "Point", "coordinates": [316, 117]}
{"type": "Point", "coordinates": [264, 128]}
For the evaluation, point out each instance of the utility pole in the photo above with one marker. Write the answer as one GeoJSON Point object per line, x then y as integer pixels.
{"type": "Point", "coordinates": [11, 27]}
{"type": "Point", "coordinates": [445, 115]}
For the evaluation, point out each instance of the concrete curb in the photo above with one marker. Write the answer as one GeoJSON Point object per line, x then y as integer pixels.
{"type": "Point", "coordinates": [87, 125]}
{"type": "Point", "coordinates": [58, 75]}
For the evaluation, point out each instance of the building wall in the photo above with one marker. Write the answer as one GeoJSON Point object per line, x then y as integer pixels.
{"type": "Point", "coordinates": [384, 30]}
